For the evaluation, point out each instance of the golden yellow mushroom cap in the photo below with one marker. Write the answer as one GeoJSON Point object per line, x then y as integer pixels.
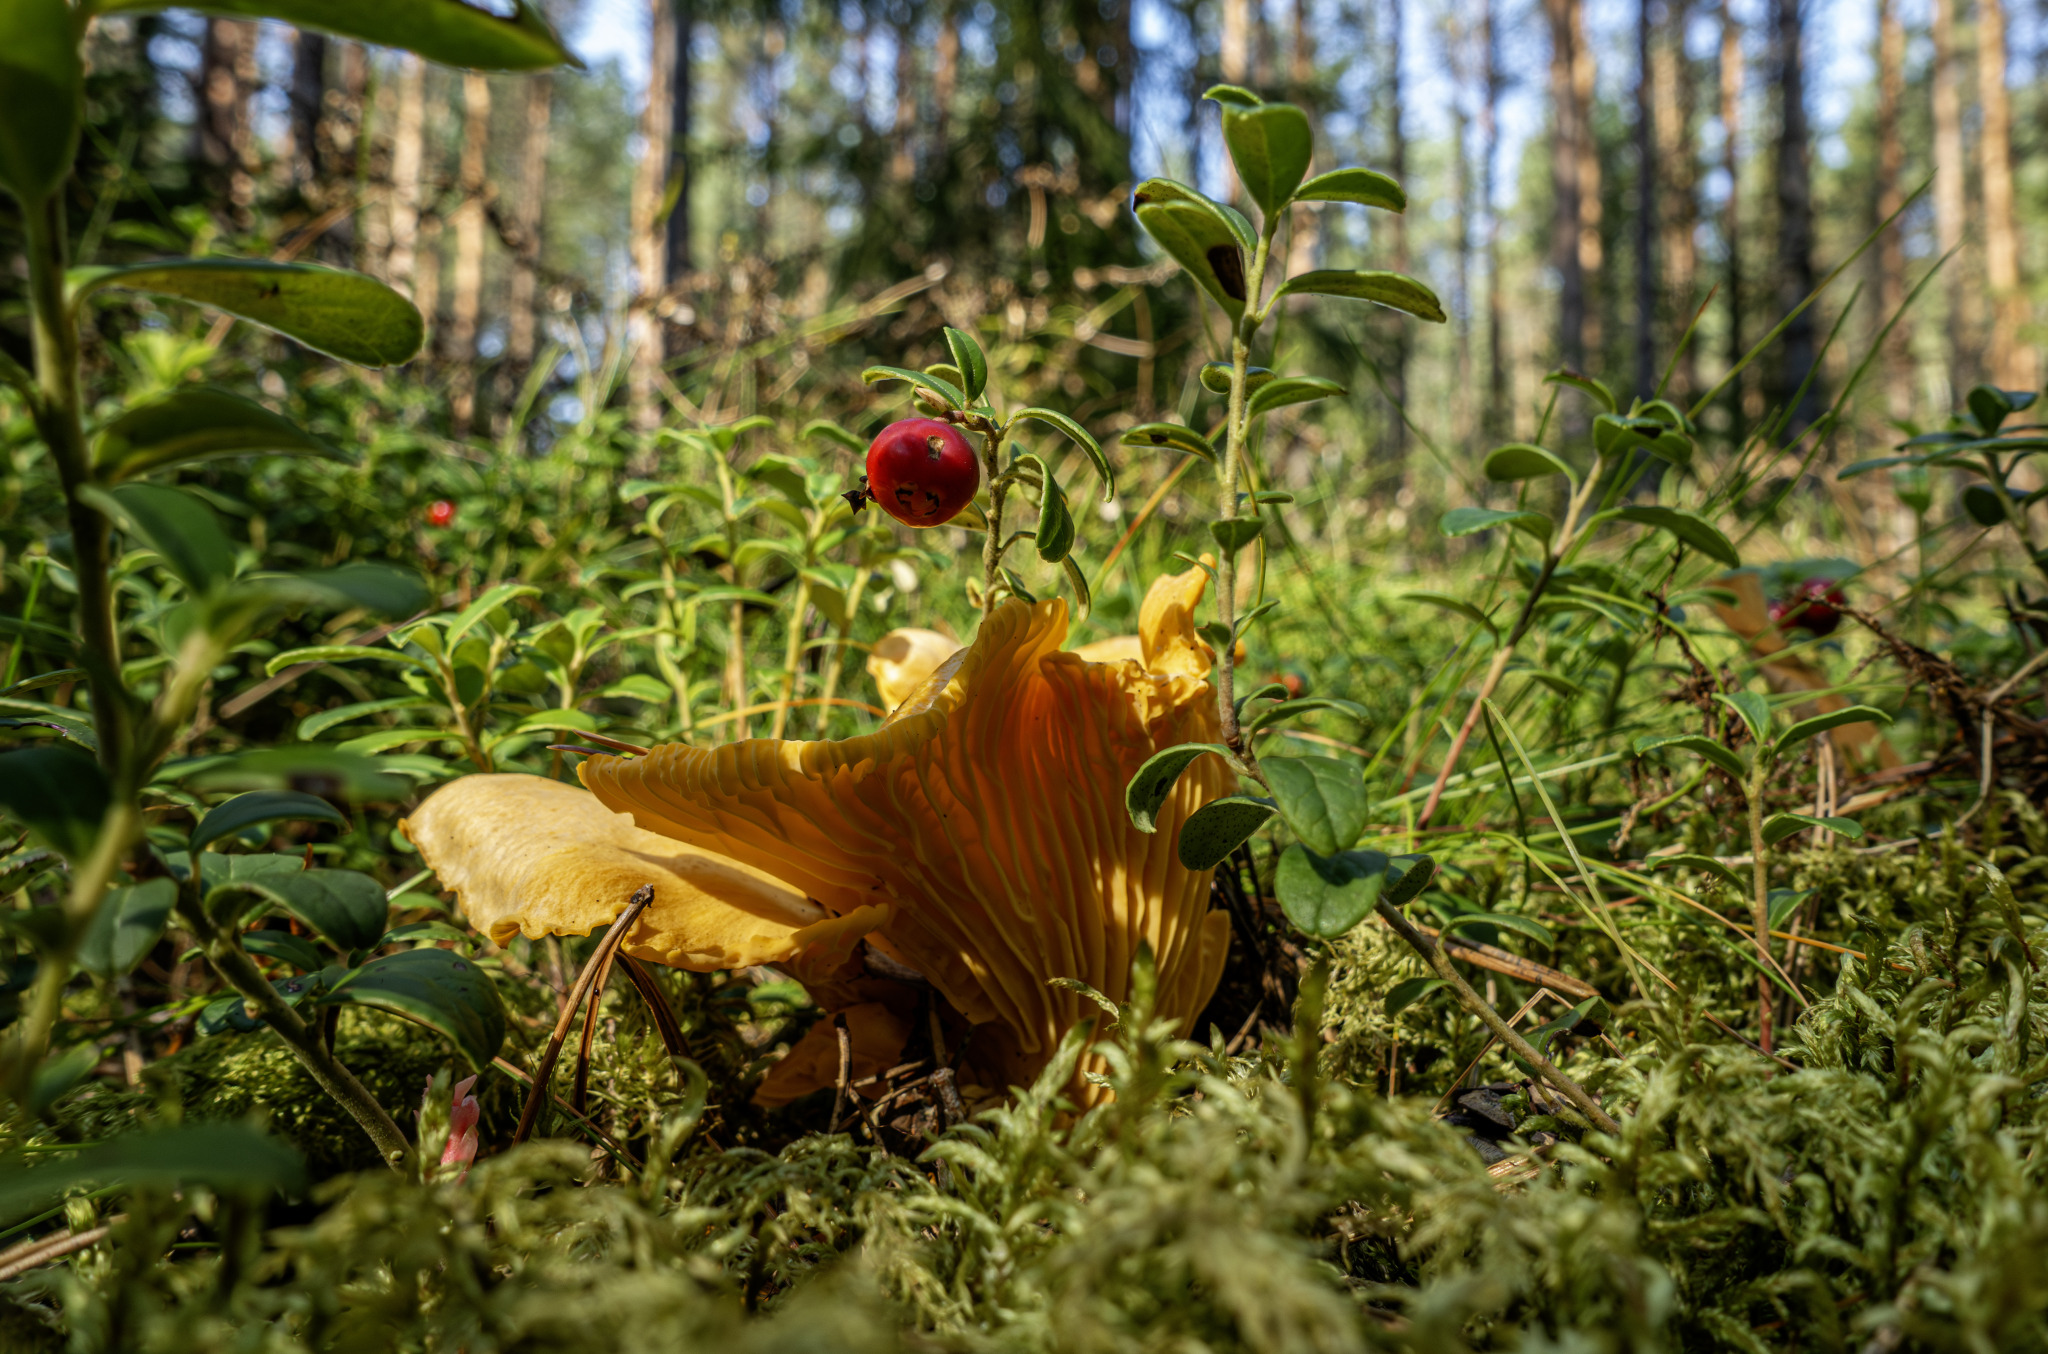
{"type": "Point", "coordinates": [534, 857]}
{"type": "Point", "coordinates": [987, 816]}
{"type": "Point", "coordinates": [903, 660]}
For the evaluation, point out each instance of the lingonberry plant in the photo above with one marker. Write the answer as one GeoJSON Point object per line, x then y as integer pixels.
{"type": "Point", "coordinates": [922, 472]}
{"type": "Point", "coordinates": [91, 800]}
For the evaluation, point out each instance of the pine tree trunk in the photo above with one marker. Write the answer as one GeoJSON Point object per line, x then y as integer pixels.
{"type": "Point", "coordinates": [677, 260]}
{"type": "Point", "coordinates": [2011, 359]}
{"type": "Point", "coordinates": [412, 270]}
{"type": "Point", "coordinates": [1678, 202]}
{"type": "Point", "coordinates": [1592, 246]}
{"type": "Point", "coordinates": [224, 132]}
{"type": "Point", "coordinates": [307, 97]}
{"type": "Point", "coordinates": [1647, 177]}
{"type": "Point", "coordinates": [1305, 225]}
{"type": "Point", "coordinates": [1496, 425]}
{"type": "Point", "coordinates": [522, 320]}
{"type": "Point", "coordinates": [1397, 165]}
{"type": "Point", "coordinates": [466, 302]}
{"type": "Point", "coordinates": [1461, 202]}
{"type": "Point", "coordinates": [1731, 78]}
{"type": "Point", "coordinates": [1796, 276]}
{"type": "Point", "coordinates": [650, 239]}
{"type": "Point", "coordinates": [1234, 57]}
{"type": "Point", "coordinates": [1949, 204]}
{"type": "Point", "coordinates": [1567, 192]}
{"type": "Point", "coordinates": [1890, 255]}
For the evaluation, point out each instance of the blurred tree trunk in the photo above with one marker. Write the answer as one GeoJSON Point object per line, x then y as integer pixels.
{"type": "Point", "coordinates": [1891, 246]}
{"type": "Point", "coordinates": [1731, 74]}
{"type": "Point", "coordinates": [1948, 188]}
{"type": "Point", "coordinates": [946, 80]}
{"type": "Point", "coordinates": [466, 305]}
{"type": "Point", "coordinates": [1397, 165]}
{"type": "Point", "coordinates": [306, 98]}
{"type": "Point", "coordinates": [650, 239]}
{"type": "Point", "coordinates": [1456, 63]}
{"type": "Point", "coordinates": [1496, 425]}
{"type": "Point", "coordinates": [1234, 55]}
{"type": "Point", "coordinates": [1575, 180]}
{"type": "Point", "coordinates": [522, 319]}
{"type": "Point", "coordinates": [225, 135]}
{"type": "Point", "coordinates": [1646, 210]}
{"type": "Point", "coordinates": [678, 258]}
{"type": "Point", "coordinates": [1795, 214]}
{"type": "Point", "coordinates": [1305, 225]}
{"type": "Point", "coordinates": [1678, 166]}
{"type": "Point", "coordinates": [2011, 358]}
{"type": "Point", "coordinates": [903, 159]}
{"type": "Point", "coordinates": [408, 177]}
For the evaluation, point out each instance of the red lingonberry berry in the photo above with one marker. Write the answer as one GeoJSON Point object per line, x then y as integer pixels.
{"type": "Point", "coordinates": [1812, 607]}
{"type": "Point", "coordinates": [922, 471]}
{"type": "Point", "coordinates": [440, 513]}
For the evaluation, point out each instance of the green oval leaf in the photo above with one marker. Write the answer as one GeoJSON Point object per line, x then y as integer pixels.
{"type": "Point", "coordinates": [1690, 528]}
{"type": "Point", "coordinates": [346, 315]}
{"type": "Point", "coordinates": [1565, 376]}
{"type": "Point", "coordinates": [1392, 290]}
{"type": "Point", "coordinates": [130, 921]}
{"type": "Point", "coordinates": [1407, 992]}
{"type": "Point", "coordinates": [825, 430]}
{"type": "Point", "coordinates": [1407, 877]}
{"type": "Point", "coordinates": [1215, 377]}
{"type": "Point", "coordinates": [1171, 435]}
{"type": "Point", "coordinates": [1152, 782]}
{"type": "Point", "coordinates": [1326, 895]}
{"type": "Point", "coordinates": [1079, 436]}
{"type": "Point", "coordinates": [285, 946]}
{"type": "Point", "coordinates": [1367, 186]}
{"type": "Point", "coordinates": [59, 793]}
{"type": "Point", "coordinates": [1614, 435]}
{"type": "Point", "coordinates": [452, 32]}
{"type": "Point", "coordinates": [1290, 390]}
{"type": "Point", "coordinates": [262, 806]}
{"type": "Point", "coordinates": [1696, 745]}
{"type": "Point", "coordinates": [1219, 827]}
{"type": "Point", "coordinates": [1983, 505]}
{"type": "Point", "coordinates": [1322, 799]}
{"type": "Point", "coordinates": [1522, 461]}
{"type": "Point", "coordinates": [1235, 533]}
{"type": "Point", "coordinates": [230, 1158]}
{"type": "Point", "coordinates": [42, 104]}
{"type": "Point", "coordinates": [346, 907]}
{"type": "Point", "coordinates": [1206, 247]}
{"type": "Point", "coordinates": [199, 424]}
{"type": "Point", "coordinates": [1055, 536]}
{"type": "Point", "coordinates": [938, 385]}
{"type": "Point", "coordinates": [1271, 145]}
{"type": "Point", "coordinates": [971, 361]}
{"type": "Point", "coordinates": [1277, 712]}
{"type": "Point", "coordinates": [438, 988]}
{"type": "Point", "coordinates": [1167, 191]}
{"type": "Point", "coordinates": [1754, 710]}
{"type": "Point", "coordinates": [178, 525]}
{"type": "Point", "coordinates": [1833, 719]}
{"type": "Point", "coordinates": [1233, 96]}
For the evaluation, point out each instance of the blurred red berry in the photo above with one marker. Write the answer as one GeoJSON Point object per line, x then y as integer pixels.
{"type": "Point", "coordinates": [922, 471]}
{"type": "Point", "coordinates": [440, 513]}
{"type": "Point", "coordinates": [1814, 607]}
{"type": "Point", "coordinates": [1291, 680]}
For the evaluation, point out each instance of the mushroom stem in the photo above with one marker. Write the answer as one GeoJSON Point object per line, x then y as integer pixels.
{"type": "Point", "coordinates": [1433, 954]}
{"type": "Point", "coordinates": [597, 963]}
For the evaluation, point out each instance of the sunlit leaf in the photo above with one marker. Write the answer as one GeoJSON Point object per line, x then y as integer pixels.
{"type": "Point", "coordinates": [1322, 799]}
{"type": "Point", "coordinates": [452, 32]}
{"type": "Point", "coordinates": [1387, 289]}
{"type": "Point", "coordinates": [1367, 186]}
{"type": "Point", "coordinates": [1219, 827]}
{"type": "Point", "coordinates": [346, 315]}
{"type": "Point", "coordinates": [438, 988]}
{"type": "Point", "coordinates": [1271, 146]}
{"type": "Point", "coordinates": [1152, 782]}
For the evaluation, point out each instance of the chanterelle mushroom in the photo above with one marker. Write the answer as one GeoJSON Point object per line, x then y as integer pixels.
{"type": "Point", "coordinates": [978, 838]}
{"type": "Point", "coordinates": [987, 816]}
